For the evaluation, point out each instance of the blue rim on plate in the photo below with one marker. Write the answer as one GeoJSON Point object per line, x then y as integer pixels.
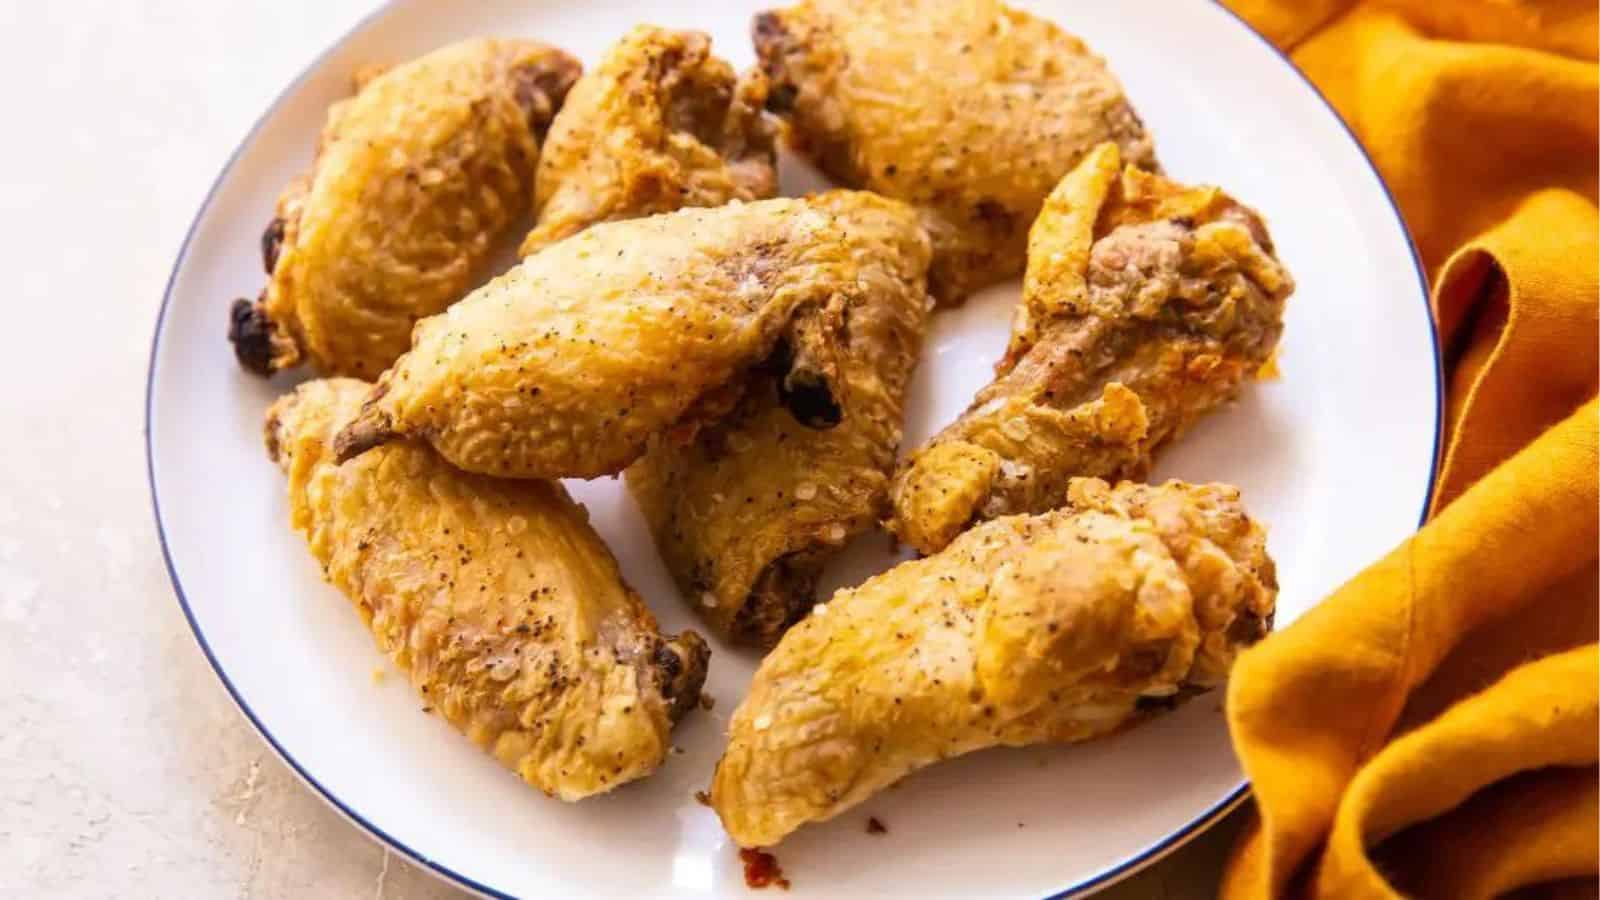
{"type": "Point", "coordinates": [1103, 878]}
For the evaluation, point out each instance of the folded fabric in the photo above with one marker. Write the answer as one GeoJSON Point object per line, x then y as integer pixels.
{"type": "Point", "coordinates": [1431, 728]}
{"type": "Point", "coordinates": [1312, 708]}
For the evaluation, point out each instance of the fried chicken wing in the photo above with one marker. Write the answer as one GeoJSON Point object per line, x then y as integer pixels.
{"type": "Point", "coordinates": [746, 513]}
{"type": "Point", "coordinates": [1058, 627]}
{"type": "Point", "coordinates": [416, 178]}
{"type": "Point", "coordinates": [967, 109]}
{"type": "Point", "coordinates": [1146, 305]}
{"type": "Point", "coordinates": [659, 125]}
{"type": "Point", "coordinates": [496, 597]}
{"type": "Point", "coordinates": [573, 362]}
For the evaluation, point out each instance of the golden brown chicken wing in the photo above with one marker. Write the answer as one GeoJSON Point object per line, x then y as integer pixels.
{"type": "Point", "coordinates": [496, 597]}
{"type": "Point", "coordinates": [573, 362]}
{"type": "Point", "coordinates": [659, 125]}
{"type": "Point", "coordinates": [967, 109]}
{"type": "Point", "coordinates": [1026, 630]}
{"type": "Point", "coordinates": [747, 510]}
{"type": "Point", "coordinates": [416, 178]}
{"type": "Point", "coordinates": [1146, 305]}
{"type": "Point", "coordinates": [746, 513]}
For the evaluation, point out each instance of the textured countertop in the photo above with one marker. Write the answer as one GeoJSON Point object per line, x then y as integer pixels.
{"type": "Point", "coordinates": [125, 770]}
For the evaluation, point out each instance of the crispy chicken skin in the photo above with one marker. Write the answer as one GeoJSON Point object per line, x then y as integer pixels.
{"type": "Point", "coordinates": [746, 513]}
{"type": "Point", "coordinates": [496, 597]}
{"type": "Point", "coordinates": [416, 179]}
{"type": "Point", "coordinates": [967, 109]}
{"type": "Point", "coordinates": [747, 510]}
{"type": "Point", "coordinates": [659, 125]}
{"type": "Point", "coordinates": [1058, 627]}
{"type": "Point", "coordinates": [1146, 305]}
{"type": "Point", "coordinates": [573, 362]}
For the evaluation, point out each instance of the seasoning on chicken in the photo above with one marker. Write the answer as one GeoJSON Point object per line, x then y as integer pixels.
{"type": "Point", "coordinates": [1146, 305]}
{"type": "Point", "coordinates": [746, 512]}
{"type": "Point", "coordinates": [496, 597]}
{"type": "Point", "coordinates": [969, 110]}
{"type": "Point", "coordinates": [417, 178]}
{"type": "Point", "coordinates": [1059, 627]}
{"type": "Point", "coordinates": [629, 333]}
{"type": "Point", "coordinates": [659, 125]}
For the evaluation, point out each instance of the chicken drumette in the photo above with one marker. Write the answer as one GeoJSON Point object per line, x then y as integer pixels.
{"type": "Point", "coordinates": [967, 109]}
{"type": "Point", "coordinates": [1059, 627]}
{"type": "Point", "coordinates": [416, 179]}
{"type": "Point", "coordinates": [659, 125]}
{"type": "Point", "coordinates": [496, 597]}
{"type": "Point", "coordinates": [628, 333]}
{"type": "Point", "coordinates": [1146, 304]}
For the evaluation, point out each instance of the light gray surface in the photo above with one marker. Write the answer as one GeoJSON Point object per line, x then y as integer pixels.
{"type": "Point", "coordinates": [125, 771]}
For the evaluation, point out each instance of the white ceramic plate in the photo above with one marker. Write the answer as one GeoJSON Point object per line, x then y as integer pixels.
{"type": "Point", "coordinates": [1336, 457]}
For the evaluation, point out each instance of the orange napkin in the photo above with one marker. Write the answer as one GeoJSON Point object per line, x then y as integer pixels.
{"type": "Point", "coordinates": [1431, 729]}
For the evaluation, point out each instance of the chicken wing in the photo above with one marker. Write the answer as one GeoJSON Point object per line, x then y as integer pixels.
{"type": "Point", "coordinates": [416, 179]}
{"type": "Point", "coordinates": [496, 597]}
{"type": "Point", "coordinates": [639, 331]}
{"type": "Point", "coordinates": [967, 109]}
{"type": "Point", "coordinates": [746, 513]}
{"type": "Point", "coordinates": [1146, 305]}
{"type": "Point", "coordinates": [1059, 627]}
{"type": "Point", "coordinates": [660, 125]}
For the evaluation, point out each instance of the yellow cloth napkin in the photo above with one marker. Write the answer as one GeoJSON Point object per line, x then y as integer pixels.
{"type": "Point", "coordinates": [1431, 728]}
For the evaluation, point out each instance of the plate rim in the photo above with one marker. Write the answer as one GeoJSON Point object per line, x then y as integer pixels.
{"type": "Point", "coordinates": [1111, 874]}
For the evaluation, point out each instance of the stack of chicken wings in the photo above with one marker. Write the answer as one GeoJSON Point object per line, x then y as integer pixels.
{"type": "Point", "coordinates": [743, 360]}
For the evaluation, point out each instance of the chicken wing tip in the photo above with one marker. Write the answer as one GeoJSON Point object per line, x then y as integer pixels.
{"type": "Point", "coordinates": [254, 337]}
